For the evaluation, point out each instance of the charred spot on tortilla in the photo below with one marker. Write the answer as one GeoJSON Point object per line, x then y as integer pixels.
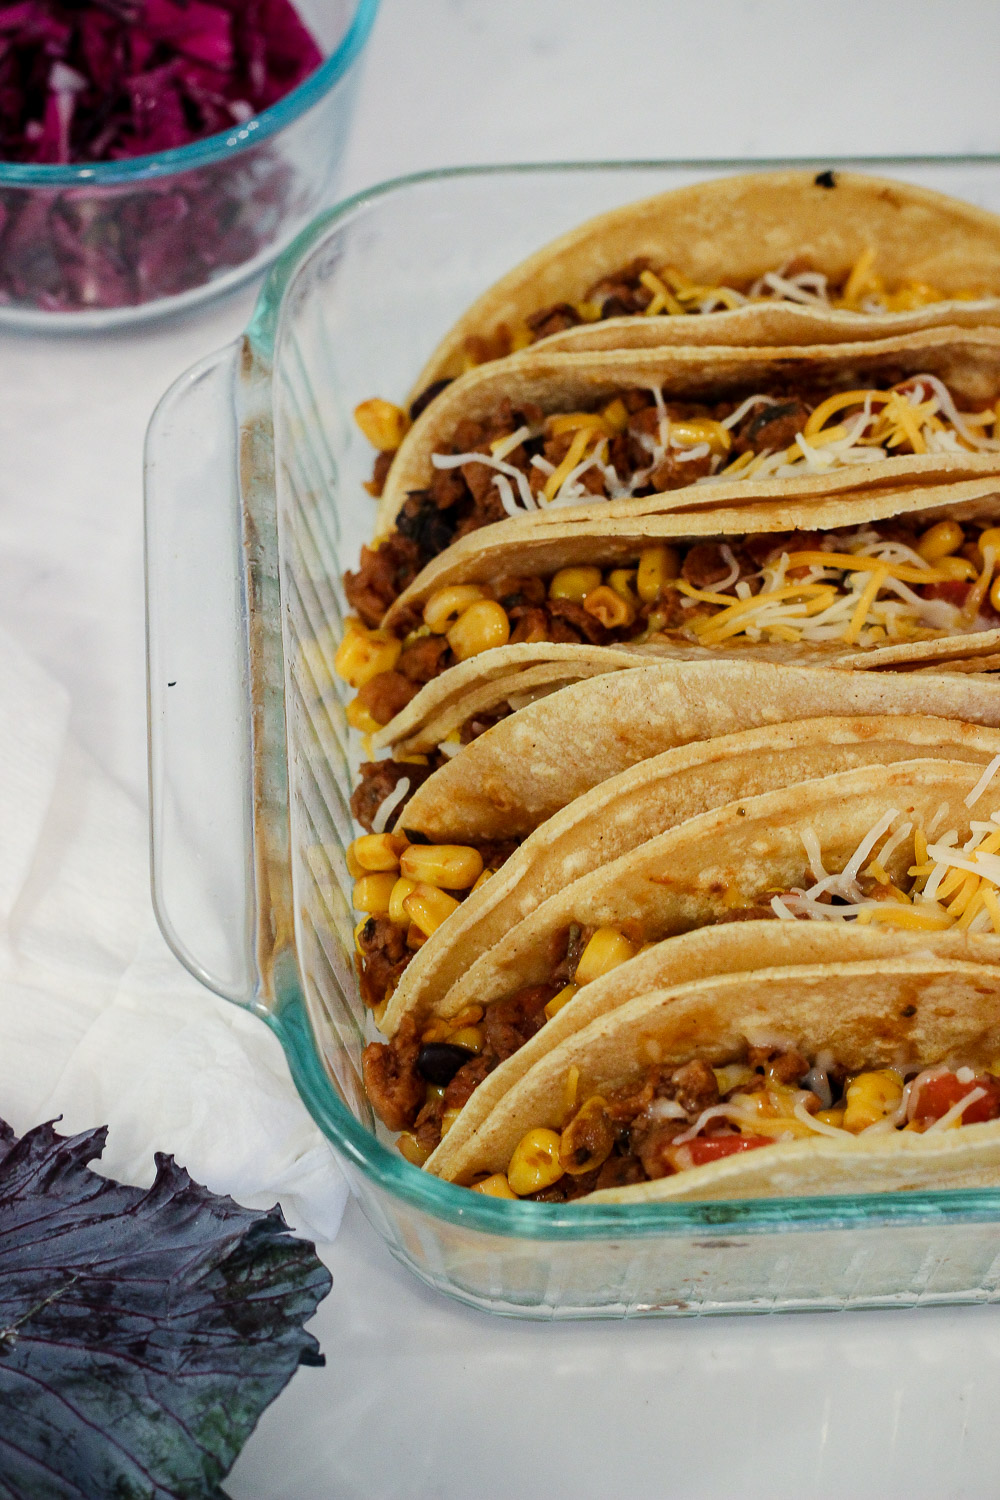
{"type": "Point", "coordinates": [826, 179]}
{"type": "Point", "coordinates": [427, 396]}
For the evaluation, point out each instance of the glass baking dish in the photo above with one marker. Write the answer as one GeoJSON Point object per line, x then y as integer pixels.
{"type": "Point", "coordinates": [254, 507]}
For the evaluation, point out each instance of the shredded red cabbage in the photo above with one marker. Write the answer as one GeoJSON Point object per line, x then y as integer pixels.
{"type": "Point", "coordinates": [97, 80]}
{"type": "Point", "coordinates": [102, 80]}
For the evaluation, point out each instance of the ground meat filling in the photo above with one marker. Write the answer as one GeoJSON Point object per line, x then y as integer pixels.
{"type": "Point", "coordinates": [412, 1085]}
{"type": "Point", "coordinates": [382, 948]}
{"type": "Point", "coordinates": [671, 1120]}
{"type": "Point", "coordinates": [462, 499]}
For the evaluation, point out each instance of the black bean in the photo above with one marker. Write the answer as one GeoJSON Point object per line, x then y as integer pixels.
{"type": "Point", "coordinates": [438, 1062]}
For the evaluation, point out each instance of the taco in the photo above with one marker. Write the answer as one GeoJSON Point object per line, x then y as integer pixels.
{"type": "Point", "coordinates": [877, 845]}
{"type": "Point", "coordinates": [888, 578]}
{"type": "Point", "coordinates": [608, 822]}
{"type": "Point", "coordinates": [834, 1078]}
{"type": "Point", "coordinates": [770, 257]}
{"type": "Point", "coordinates": [540, 432]}
{"type": "Point", "coordinates": [523, 761]}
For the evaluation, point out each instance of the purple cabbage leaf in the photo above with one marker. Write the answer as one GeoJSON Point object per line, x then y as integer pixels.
{"type": "Point", "coordinates": [142, 1332]}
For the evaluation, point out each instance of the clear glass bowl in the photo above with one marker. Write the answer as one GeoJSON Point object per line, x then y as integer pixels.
{"type": "Point", "coordinates": [254, 508]}
{"type": "Point", "coordinates": [101, 244]}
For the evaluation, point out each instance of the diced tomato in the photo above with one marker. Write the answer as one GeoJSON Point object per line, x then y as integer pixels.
{"type": "Point", "coordinates": [952, 591]}
{"type": "Point", "coordinates": [937, 1096]}
{"type": "Point", "coordinates": [704, 1149]}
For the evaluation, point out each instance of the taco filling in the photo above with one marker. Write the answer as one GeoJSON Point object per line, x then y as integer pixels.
{"type": "Point", "coordinates": [671, 1120]}
{"type": "Point", "coordinates": [637, 289]}
{"type": "Point", "coordinates": [521, 459]}
{"type": "Point", "coordinates": [405, 891]}
{"type": "Point", "coordinates": [866, 586]}
{"type": "Point", "coordinates": [418, 1081]}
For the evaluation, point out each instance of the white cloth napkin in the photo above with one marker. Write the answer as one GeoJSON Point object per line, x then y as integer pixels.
{"type": "Point", "coordinates": [98, 1021]}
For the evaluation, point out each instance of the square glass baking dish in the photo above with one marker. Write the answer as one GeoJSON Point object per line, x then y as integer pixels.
{"type": "Point", "coordinates": [254, 508]}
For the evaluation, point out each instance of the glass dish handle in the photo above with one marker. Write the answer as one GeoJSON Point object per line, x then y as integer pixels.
{"type": "Point", "coordinates": [201, 827]}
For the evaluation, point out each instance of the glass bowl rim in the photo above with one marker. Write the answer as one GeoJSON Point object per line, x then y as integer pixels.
{"type": "Point", "coordinates": [213, 148]}
{"type": "Point", "coordinates": [358, 1146]}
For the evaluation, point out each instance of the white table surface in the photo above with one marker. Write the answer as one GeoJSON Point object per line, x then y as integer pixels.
{"type": "Point", "coordinates": [420, 1398]}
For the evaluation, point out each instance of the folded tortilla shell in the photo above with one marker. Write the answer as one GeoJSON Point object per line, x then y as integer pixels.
{"type": "Point", "coordinates": [732, 230]}
{"type": "Point", "coordinates": [529, 765]}
{"type": "Point", "coordinates": [705, 952]}
{"type": "Point", "coordinates": [890, 1012]}
{"type": "Point", "coordinates": [545, 543]}
{"type": "Point", "coordinates": [651, 797]}
{"type": "Point", "coordinates": [702, 870]}
{"type": "Point", "coordinates": [968, 361]}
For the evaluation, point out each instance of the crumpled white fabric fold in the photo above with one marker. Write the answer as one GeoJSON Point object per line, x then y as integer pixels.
{"type": "Point", "coordinates": [99, 1023]}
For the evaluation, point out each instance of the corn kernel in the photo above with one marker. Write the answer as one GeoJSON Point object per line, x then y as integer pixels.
{"type": "Point", "coordinates": [443, 1028]}
{"type": "Point", "coordinates": [995, 593]}
{"type": "Point", "coordinates": [408, 1146]}
{"type": "Point", "coordinates": [447, 605]}
{"type": "Point", "coordinates": [400, 891]}
{"type": "Point", "coordinates": [362, 655]}
{"type": "Point", "coordinates": [496, 1186]}
{"type": "Point", "coordinates": [535, 1162]}
{"type": "Point", "coordinates": [377, 851]}
{"type": "Point", "coordinates": [451, 867]}
{"type": "Point", "coordinates": [610, 608]}
{"type": "Point", "coordinates": [427, 908]}
{"type": "Point", "coordinates": [522, 338]}
{"type": "Point", "coordinates": [959, 568]}
{"type": "Point", "coordinates": [870, 1097]}
{"type": "Point", "coordinates": [353, 868]}
{"type": "Point", "coordinates": [469, 1015]}
{"type": "Point", "coordinates": [621, 581]}
{"type": "Point", "coordinates": [414, 937]}
{"type": "Point", "coordinates": [657, 566]}
{"type": "Point", "coordinates": [588, 1139]}
{"type": "Point", "coordinates": [557, 1002]}
{"type": "Point", "coordinates": [482, 627]}
{"type": "Point", "coordinates": [383, 424]}
{"type": "Point", "coordinates": [469, 1037]}
{"type": "Point", "coordinates": [830, 1117]}
{"type": "Point", "coordinates": [616, 414]}
{"type": "Point", "coordinates": [448, 1119]}
{"type": "Point", "coordinates": [483, 879]}
{"type": "Point", "coordinates": [606, 950]}
{"type": "Point", "coordinates": [940, 541]}
{"type": "Point", "coordinates": [436, 1031]}
{"type": "Point", "coordinates": [990, 538]}
{"type": "Point", "coordinates": [574, 583]}
{"type": "Point", "coordinates": [372, 893]}
{"type": "Point", "coordinates": [361, 718]}
{"type": "Point", "coordinates": [358, 930]}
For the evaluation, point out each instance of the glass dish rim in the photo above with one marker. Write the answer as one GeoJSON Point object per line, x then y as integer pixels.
{"type": "Point", "coordinates": [290, 1021]}
{"type": "Point", "coordinates": [212, 149]}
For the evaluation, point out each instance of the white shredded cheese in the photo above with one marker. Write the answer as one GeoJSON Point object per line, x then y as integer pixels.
{"type": "Point", "coordinates": [957, 1110]}
{"type": "Point", "coordinates": [389, 803]}
{"type": "Point", "coordinates": [983, 782]}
